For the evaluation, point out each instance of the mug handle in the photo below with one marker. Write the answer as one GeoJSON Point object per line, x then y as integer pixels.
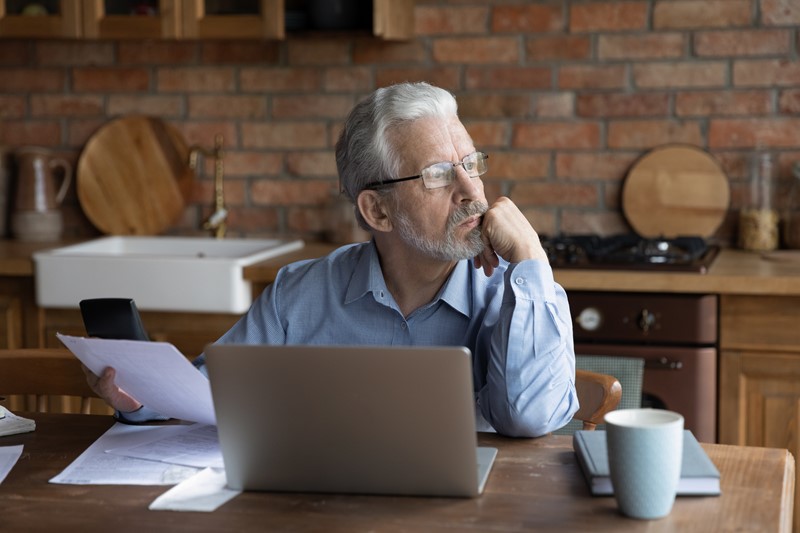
{"type": "Point", "coordinates": [67, 168]}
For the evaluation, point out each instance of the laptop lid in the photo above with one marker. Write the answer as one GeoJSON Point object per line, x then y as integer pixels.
{"type": "Point", "coordinates": [366, 419]}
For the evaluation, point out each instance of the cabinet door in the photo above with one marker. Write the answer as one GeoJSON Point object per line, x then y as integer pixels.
{"type": "Point", "coordinates": [393, 19]}
{"type": "Point", "coordinates": [131, 19]}
{"type": "Point", "coordinates": [239, 19]}
{"type": "Point", "coordinates": [48, 19]}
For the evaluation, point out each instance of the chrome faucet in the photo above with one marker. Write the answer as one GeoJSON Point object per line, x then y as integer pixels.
{"type": "Point", "coordinates": [216, 222]}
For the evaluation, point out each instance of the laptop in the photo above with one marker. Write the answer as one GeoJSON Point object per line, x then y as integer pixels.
{"type": "Point", "coordinates": [355, 420]}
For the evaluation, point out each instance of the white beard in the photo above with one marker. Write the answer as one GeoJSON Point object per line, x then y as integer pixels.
{"type": "Point", "coordinates": [448, 248]}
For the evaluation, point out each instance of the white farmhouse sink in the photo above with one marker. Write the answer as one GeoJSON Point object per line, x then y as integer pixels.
{"type": "Point", "coordinates": [196, 274]}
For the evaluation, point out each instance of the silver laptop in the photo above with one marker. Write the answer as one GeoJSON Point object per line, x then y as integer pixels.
{"type": "Point", "coordinates": [364, 420]}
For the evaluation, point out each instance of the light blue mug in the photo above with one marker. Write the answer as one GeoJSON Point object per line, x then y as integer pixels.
{"type": "Point", "coordinates": [645, 448]}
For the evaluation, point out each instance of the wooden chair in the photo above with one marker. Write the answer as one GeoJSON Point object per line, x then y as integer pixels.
{"type": "Point", "coordinates": [598, 394]}
{"type": "Point", "coordinates": [43, 373]}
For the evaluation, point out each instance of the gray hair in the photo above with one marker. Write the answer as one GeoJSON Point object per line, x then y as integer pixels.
{"type": "Point", "coordinates": [364, 152]}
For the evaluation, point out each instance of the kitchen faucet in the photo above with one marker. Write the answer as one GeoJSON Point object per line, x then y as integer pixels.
{"type": "Point", "coordinates": [216, 222]}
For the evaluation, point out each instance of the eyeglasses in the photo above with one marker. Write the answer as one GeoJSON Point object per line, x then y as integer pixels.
{"type": "Point", "coordinates": [443, 174]}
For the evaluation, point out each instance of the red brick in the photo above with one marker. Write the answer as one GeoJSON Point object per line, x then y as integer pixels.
{"type": "Point", "coordinates": [789, 102]}
{"type": "Point", "coordinates": [56, 105]}
{"type": "Point", "coordinates": [227, 106]}
{"type": "Point", "coordinates": [36, 132]}
{"type": "Point", "coordinates": [604, 223]}
{"type": "Point", "coordinates": [204, 191]}
{"type": "Point", "coordinates": [79, 130]}
{"type": "Point", "coordinates": [690, 14]}
{"type": "Point", "coordinates": [280, 79]}
{"type": "Point", "coordinates": [32, 80]}
{"type": "Point", "coordinates": [766, 73]}
{"type": "Point", "coordinates": [561, 194]}
{"type": "Point", "coordinates": [311, 106]}
{"type": "Point", "coordinates": [559, 105]}
{"type": "Point", "coordinates": [542, 220]}
{"type": "Point", "coordinates": [156, 53]}
{"type": "Point", "coordinates": [476, 50]}
{"type": "Point", "coordinates": [541, 135]}
{"type": "Point", "coordinates": [16, 53]}
{"type": "Point", "coordinates": [74, 53]}
{"type": "Point", "coordinates": [594, 166]}
{"type": "Point", "coordinates": [734, 43]}
{"type": "Point", "coordinates": [487, 135]}
{"type": "Point", "coordinates": [111, 79]}
{"type": "Point", "coordinates": [348, 79]}
{"type": "Point", "coordinates": [684, 74]}
{"type": "Point", "coordinates": [145, 104]}
{"type": "Point", "coordinates": [282, 135]}
{"type": "Point", "coordinates": [648, 46]}
{"type": "Point", "coordinates": [243, 52]}
{"type": "Point", "coordinates": [12, 107]}
{"type": "Point", "coordinates": [370, 51]}
{"type": "Point", "coordinates": [245, 163]}
{"type": "Point", "coordinates": [591, 77]}
{"type": "Point", "coordinates": [203, 132]}
{"type": "Point", "coordinates": [555, 47]}
{"type": "Point", "coordinates": [493, 105]}
{"type": "Point", "coordinates": [312, 164]}
{"type": "Point", "coordinates": [528, 18]}
{"type": "Point", "coordinates": [308, 220]}
{"type": "Point", "coordinates": [650, 133]}
{"type": "Point", "coordinates": [291, 192]}
{"type": "Point", "coordinates": [622, 105]}
{"type": "Point", "coordinates": [517, 166]}
{"type": "Point", "coordinates": [441, 76]}
{"type": "Point", "coordinates": [725, 102]}
{"type": "Point", "coordinates": [780, 12]}
{"type": "Point", "coordinates": [509, 78]}
{"type": "Point", "coordinates": [744, 133]}
{"type": "Point", "coordinates": [191, 79]}
{"type": "Point", "coordinates": [318, 52]}
{"type": "Point", "coordinates": [608, 16]}
{"type": "Point", "coordinates": [439, 20]}
{"type": "Point", "coordinates": [253, 219]}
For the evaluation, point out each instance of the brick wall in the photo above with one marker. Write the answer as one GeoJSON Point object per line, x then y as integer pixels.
{"type": "Point", "coordinates": [563, 95]}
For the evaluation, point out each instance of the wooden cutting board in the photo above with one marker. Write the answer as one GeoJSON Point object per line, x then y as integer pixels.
{"type": "Point", "coordinates": [676, 190]}
{"type": "Point", "coordinates": [133, 176]}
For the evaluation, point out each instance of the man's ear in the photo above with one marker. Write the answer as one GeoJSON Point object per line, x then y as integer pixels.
{"type": "Point", "coordinates": [373, 208]}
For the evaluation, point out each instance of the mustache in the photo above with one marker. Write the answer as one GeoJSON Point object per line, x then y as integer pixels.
{"type": "Point", "coordinates": [464, 212]}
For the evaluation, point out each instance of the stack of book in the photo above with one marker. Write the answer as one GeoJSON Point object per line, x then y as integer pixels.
{"type": "Point", "coordinates": [11, 424]}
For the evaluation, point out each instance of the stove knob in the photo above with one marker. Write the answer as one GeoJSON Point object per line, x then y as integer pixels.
{"type": "Point", "coordinates": [646, 320]}
{"type": "Point", "coordinates": [589, 319]}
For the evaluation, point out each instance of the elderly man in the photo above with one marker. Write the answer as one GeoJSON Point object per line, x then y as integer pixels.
{"type": "Point", "coordinates": [442, 268]}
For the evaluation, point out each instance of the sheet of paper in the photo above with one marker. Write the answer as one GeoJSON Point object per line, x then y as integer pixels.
{"type": "Point", "coordinates": [96, 467]}
{"type": "Point", "coordinates": [155, 373]}
{"type": "Point", "coordinates": [8, 458]}
{"type": "Point", "coordinates": [196, 445]}
{"type": "Point", "coordinates": [205, 491]}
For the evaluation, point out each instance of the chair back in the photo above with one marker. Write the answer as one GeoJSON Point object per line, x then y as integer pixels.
{"type": "Point", "coordinates": [598, 394]}
{"type": "Point", "coordinates": [42, 373]}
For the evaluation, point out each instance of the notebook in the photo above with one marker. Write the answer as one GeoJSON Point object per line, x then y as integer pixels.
{"type": "Point", "coordinates": [699, 475]}
{"type": "Point", "coordinates": [356, 420]}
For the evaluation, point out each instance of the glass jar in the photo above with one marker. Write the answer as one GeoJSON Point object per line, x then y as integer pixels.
{"type": "Point", "coordinates": [758, 218]}
{"type": "Point", "coordinates": [791, 219]}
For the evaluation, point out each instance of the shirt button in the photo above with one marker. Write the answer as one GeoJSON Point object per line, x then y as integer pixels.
{"type": "Point", "coordinates": [381, 294]}
{"type": "Point", "coordinates": [403, 325]}
{"type": "Point", "coordinates": [520, 281]}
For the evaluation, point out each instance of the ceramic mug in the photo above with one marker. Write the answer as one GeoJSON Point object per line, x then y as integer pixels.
{"type": "Point", "coordinates": [645, 449]}
{"type": "Point", "coordinates": [36, 215]}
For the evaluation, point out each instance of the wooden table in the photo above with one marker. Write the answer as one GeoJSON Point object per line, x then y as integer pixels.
{"type": "Point", "coordinates": [535, 484]}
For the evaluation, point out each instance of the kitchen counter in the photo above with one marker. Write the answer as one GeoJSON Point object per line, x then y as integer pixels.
{"type": "Point", "coordinates": [733, 272]}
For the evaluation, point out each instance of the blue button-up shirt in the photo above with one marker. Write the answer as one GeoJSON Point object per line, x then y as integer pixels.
{"type": "Point", "coordinates": [516, 323]}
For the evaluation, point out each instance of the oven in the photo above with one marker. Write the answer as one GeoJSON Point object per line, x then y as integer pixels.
{"type": "Point", "coordinates": [675, 334]}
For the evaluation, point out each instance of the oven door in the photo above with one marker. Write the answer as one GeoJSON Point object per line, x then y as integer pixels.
{"type": "Point", "coordinates": [680, 379]}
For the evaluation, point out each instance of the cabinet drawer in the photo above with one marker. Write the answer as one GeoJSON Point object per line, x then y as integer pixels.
{"type": "Point", "coordinates": [760, 322]}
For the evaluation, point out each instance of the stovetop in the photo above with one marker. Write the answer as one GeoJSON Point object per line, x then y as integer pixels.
{"type": "Point", "coordinates": [630, 252]}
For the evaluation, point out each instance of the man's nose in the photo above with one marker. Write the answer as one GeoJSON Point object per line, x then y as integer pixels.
{"type": "Point", "coordinates": [466, 186]}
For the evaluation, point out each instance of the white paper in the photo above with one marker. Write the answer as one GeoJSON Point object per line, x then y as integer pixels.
{"type": "Point", "coordinates": [155, 373]}
{"type": "Point", "coordinates": [8, 458]}
{"type": "Point", "coordinates": [196, 445]}
{"type": "Point", "coordinates": [96, 467]}
{"type": "Point", "coordinates": [205, 491]}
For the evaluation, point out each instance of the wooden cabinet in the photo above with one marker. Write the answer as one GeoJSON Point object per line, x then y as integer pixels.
{"type": "Point", "coordinates": [760, 374]}
{"type": "Point", "coordinates": [178, 19]}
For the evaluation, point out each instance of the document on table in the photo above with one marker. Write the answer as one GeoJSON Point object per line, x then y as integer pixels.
{"type": "Point", "coordinates": [8, 458]}
{"type": "Point", "coordinates": [195, 445]}
{"type": "Point", "coordinates": [155, 373]}
{"type": "Point", "coordinates": [96, 467]}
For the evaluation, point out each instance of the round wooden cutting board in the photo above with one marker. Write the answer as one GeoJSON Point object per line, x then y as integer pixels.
{"type": "Point", "coordinates": [134, 176]}
{"type": "Point", "coordinates": [676, 190]}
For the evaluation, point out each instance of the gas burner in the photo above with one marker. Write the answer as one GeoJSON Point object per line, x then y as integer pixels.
{"type": "Point", "coordinates": [630, 251]}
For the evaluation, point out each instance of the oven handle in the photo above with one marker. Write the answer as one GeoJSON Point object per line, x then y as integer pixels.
{"type": "Point", "coordinates": [663, 363]}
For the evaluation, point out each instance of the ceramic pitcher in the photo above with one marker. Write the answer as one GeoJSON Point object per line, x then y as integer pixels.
{"type": "Point", "coordinates": [38, 196]}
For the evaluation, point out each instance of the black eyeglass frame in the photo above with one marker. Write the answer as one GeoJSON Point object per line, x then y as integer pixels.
{"type": "Point", "coordinates": [377, 184]}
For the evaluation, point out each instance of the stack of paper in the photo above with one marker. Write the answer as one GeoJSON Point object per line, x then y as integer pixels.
{"type": "Point", "coordinates": [11, 424]}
